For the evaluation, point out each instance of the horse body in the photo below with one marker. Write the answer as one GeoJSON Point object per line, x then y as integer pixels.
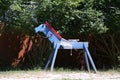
{"type": "Point", "coordinates": [61, 43]}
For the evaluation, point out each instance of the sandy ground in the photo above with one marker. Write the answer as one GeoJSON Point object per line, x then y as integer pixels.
{"type": "Point", "coordinates": [59, 75]}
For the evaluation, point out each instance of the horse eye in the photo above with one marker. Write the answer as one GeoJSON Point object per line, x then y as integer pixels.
{"type": "Point", "coordinates": [42, 25]}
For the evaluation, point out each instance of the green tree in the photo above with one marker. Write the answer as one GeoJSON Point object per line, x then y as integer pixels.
{"type": "Point", "coordinates": [18, 15]}
{"type": "Point", "coordinates": [111, 11]}
{"type": "Point", "coordinates": [71, 17]}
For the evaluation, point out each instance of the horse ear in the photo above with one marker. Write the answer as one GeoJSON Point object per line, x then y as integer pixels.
{"type": "Point", "coordinates": [47, 23]}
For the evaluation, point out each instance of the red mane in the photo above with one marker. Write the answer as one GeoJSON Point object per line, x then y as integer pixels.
{"type": "Point", "coordinates": [53, 30]}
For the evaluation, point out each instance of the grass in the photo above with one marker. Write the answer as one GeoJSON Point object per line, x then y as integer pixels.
{"type": "Point", "coordinates": [57, 70]}
{"type": "Point", "coordinates": [57, 74]}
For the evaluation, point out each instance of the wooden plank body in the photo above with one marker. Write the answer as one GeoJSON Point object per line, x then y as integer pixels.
{"type": "Point", "coordinates": [61, 43]}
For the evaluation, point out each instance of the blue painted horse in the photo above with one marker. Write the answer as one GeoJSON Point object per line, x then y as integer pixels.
{"type": "Point", "coordinates": [61, 43]}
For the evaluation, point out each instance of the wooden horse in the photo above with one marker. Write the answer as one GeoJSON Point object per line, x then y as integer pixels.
{"type": "Point", "coordinates": [61, 43]}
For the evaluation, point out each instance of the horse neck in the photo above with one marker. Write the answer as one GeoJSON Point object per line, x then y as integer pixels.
{"type": "Point", "coordinates": [53, 38]}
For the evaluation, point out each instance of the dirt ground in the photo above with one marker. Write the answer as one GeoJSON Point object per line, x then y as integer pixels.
{"type": "Point", "coordinates": [59, 75]}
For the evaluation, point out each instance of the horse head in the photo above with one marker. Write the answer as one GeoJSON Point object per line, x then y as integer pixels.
{"type": "Point", "coordinates": [40, 28]}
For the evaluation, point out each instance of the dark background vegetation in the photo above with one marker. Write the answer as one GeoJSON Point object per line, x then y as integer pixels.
{"type": "Point", "coordinates": [96, 21]}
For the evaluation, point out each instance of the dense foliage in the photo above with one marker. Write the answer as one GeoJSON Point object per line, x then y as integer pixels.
{"type": "Point", "coordinates": [80, 16]}
{"type": "Point", "coordinates": [70, 17]}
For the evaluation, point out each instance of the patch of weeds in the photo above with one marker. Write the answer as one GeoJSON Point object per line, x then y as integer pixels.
{"type": "Point", "coordinates": [62, 70]}
{"type": "Point", "coordinates": [66, 70]}
{"type": "Point", "coordinates": [118, 69]}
